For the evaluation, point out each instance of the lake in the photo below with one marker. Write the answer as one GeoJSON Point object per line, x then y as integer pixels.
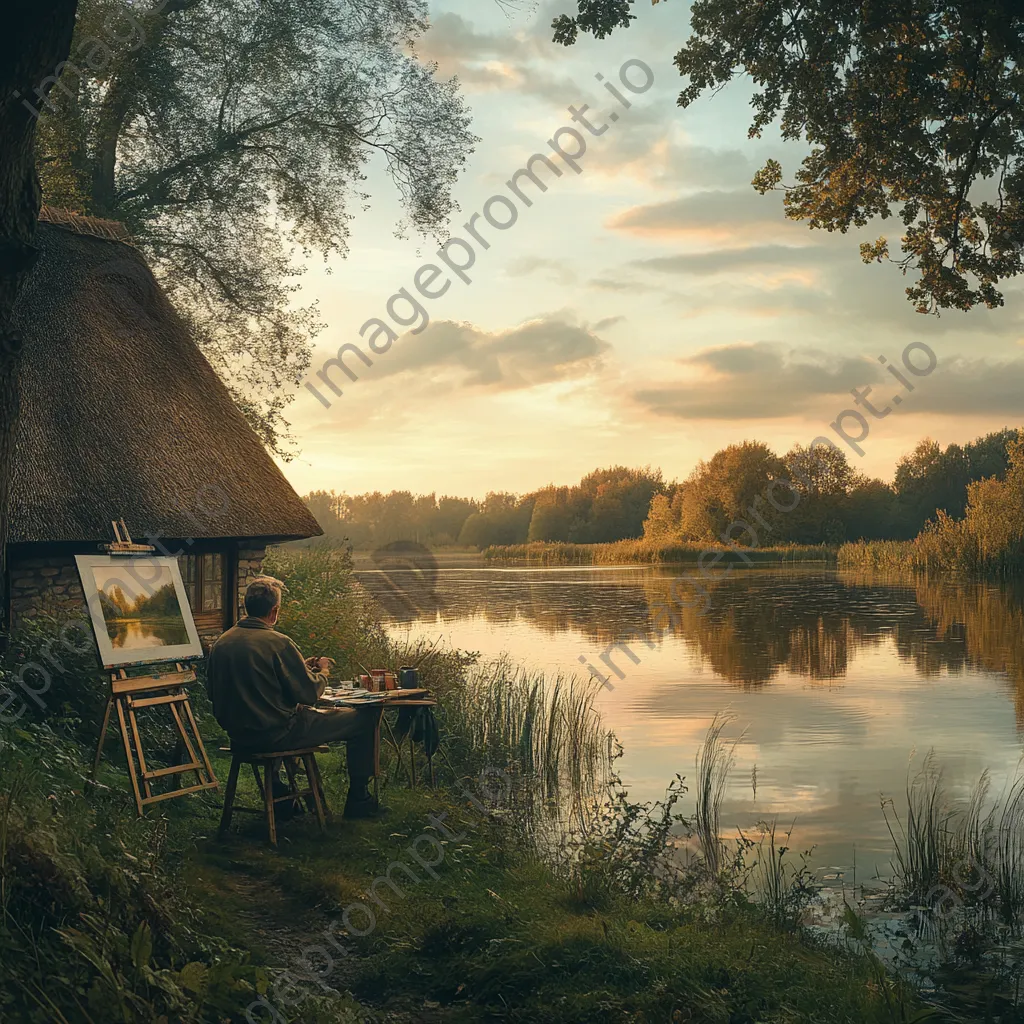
{"type": "Point", "coordinates": [836, 681]}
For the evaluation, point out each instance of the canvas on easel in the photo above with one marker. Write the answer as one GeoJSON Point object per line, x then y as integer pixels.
{"type": "Point", "coordinates": [141, 618]}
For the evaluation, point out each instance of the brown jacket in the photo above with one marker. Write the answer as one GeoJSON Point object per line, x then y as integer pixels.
{"type": "Point", "coordinates": [257, 682]}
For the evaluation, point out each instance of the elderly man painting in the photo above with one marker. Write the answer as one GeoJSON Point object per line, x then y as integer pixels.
{"type": "Point", "coordinates": [263, 691]}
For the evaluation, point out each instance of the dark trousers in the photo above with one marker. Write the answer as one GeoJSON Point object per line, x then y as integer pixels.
{"type": "Point", "coordinates": [355, 726]}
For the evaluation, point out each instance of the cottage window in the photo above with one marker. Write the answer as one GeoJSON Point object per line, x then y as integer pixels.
{"type": "Point", "coordinates": [205, 576]}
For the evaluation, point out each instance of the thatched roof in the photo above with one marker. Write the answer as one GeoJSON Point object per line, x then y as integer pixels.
{"type": "Point", "coordinates": [83, 225]}
{"type": "Point", "coordinates": [121, 416]}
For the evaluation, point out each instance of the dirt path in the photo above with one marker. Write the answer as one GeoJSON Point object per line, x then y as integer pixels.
{"type": "Point", "coordinates": [281, 928]}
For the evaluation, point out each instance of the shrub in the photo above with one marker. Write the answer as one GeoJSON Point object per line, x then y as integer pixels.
{"type": "Point", "coordinates": [55, 659]}
{"type": "Point", "coordinates": [92, 924]}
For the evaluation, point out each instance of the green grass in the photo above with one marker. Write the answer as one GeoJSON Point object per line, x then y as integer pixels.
{"type": "Point", "coordinates": [498, 935]}
{"type": "Point", "coordinates": [641, 552]}
{"type": "Point", "coordinates": [495, 932]}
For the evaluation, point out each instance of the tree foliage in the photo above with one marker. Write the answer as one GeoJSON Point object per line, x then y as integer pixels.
{"type": "Point", "coordinates": [820, 499]}
{"type": "Point", "coordinates": [503, 519]}
{"type": "Point", "coordinates": [990, 536]}
{"type": "Point", "coordinates": [607, 504]}
{"type": "Point", "coordinates": [930, 479]}
{"type": "Point", "coordinates": [368, 521]}
{"type": "Point", "coordinates": [595, 17]}
{"type": "Point", "coordinates": [824, 479]}
{"type": "Point", "coordinates": [801, 497]}
{"type": "Point", "coordinates": [232, 137]}
{"type": "Point", "coordinates": [719, 491]}
{"type": "Point", "coordinates": [910, 108]}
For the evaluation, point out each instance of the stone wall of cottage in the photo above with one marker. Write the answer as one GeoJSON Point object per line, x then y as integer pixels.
{"type": "Point", "coordinates": [45, 585]}
{"type": "Point", "coordinates": [250, 565]}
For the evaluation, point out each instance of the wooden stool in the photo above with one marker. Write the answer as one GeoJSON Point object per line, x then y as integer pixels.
{"type": "Point", "coordinates": [270, 763]}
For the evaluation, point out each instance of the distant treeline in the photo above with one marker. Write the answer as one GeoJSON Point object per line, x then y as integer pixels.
{"type": "Point", "coordinates": [606, 505]}
{"type": "Point", "coordinates": [987, 537]}
{"type": "Point", "coordinates": [745, 482]}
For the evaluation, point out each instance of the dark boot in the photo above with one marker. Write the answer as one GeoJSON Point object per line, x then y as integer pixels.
{"type": "Point", "coordinates": [361, 803]}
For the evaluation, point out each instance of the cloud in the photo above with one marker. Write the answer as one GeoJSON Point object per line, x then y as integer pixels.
{"type": "Point", "coordinates": [608, 321]}
{"type": "Point", "coordinates": [756, 381]}
{"type": "Point", "coordinates": [452, 41]}
{"type": "Point", "coordinates": [489, 61]}
{"type": "Point", "coordinates": [692, 165]}
{"type": "Point", "coordinates": [959, 386]}
{"type": "Point", "coordinates": [523, 266]}
{"type": "Point", "coordinates": [766, 381]}
{"type": "Point", "coordinates": [545, 349]}
{"type": "Point", "coordinates": [644, 149]}
{"type": "Point", "coordinates": [783, 267]}
{"type": "Point", "coordinates": [736, 214]}
{"type": "Point", "coordinates": [724, 261]}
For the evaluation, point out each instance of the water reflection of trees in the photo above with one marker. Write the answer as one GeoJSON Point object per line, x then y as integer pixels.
{"type": "Point", "coordinates": [976, 626]}
{"type": "Point", "coordinates": [146, 632]}
{"type": "Point", "coordinates": [761, 623]}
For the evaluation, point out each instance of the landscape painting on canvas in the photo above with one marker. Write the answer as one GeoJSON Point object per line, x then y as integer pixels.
{"type": "Point", "coordinates": [139, 609]}
{"type": "Point", "coordinates": [140, 614]}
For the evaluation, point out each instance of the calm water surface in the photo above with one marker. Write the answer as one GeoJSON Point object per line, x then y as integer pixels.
{"type": "Point", "coordinates": [144, 633]}
{"type": "Point", "coordinates": [836, 681]}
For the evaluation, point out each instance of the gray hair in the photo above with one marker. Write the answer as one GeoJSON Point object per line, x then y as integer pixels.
{"type": "Point", "coordinates": [262, 596]}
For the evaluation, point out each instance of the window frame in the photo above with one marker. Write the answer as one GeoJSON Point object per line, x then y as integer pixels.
{"type": "Point", "coordinates": [215, 619]}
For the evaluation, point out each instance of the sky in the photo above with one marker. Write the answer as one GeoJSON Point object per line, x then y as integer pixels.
{"type": "Point", "coordinates": [647, 310]}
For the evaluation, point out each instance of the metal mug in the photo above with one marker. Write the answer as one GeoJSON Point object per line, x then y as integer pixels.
{"type": "Point", "coordinates": [408, 678]}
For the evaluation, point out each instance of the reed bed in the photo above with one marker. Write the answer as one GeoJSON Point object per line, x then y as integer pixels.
{"type": "Point", "coordinates": [881, 555]}
{"type": "Point", "coordinates": [547, 731]}
{"type": "Point", "coordinates": [642, 552]}
{"type": "Point", "coordinates": [945, 546]}
{"type": "Point", "coordinates": [924, 846]}
{"type": "Point", "coordinates": [967, 856]}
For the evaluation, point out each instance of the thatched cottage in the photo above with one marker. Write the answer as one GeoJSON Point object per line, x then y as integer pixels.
{"type": "Point", "coordinates": [122, 417]}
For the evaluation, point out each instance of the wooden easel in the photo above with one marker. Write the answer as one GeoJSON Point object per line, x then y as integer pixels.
{"type": "Point", "coordinates": [129, 694]}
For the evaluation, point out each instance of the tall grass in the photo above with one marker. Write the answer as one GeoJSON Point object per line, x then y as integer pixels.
{"type": "Point", "coordinates": [781, 887]}
{"type": "Point", "coordinates": [1007, 826]}
{"type": "Point", "coordinates": [882, 555]}
{"type": "Point", "coordinates": [643, 552]}
{"type": "Point", "coordinates": [715, 758]}
{"type": "Point", "coordinates": [945, 545]}
{"type": "Point", "coordinates": [924, 846]}
{"type": "Point", "coordinates": [547, 730]}
{"type": "Point", "coordinates": [968, 855]}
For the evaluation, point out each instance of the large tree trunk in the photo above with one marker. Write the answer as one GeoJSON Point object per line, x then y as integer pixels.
{"type": "Point", "coordinates": [35, 37]}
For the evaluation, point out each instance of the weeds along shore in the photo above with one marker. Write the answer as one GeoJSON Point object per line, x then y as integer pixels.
{"type": "Point", "coordinates": [644, 552]}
